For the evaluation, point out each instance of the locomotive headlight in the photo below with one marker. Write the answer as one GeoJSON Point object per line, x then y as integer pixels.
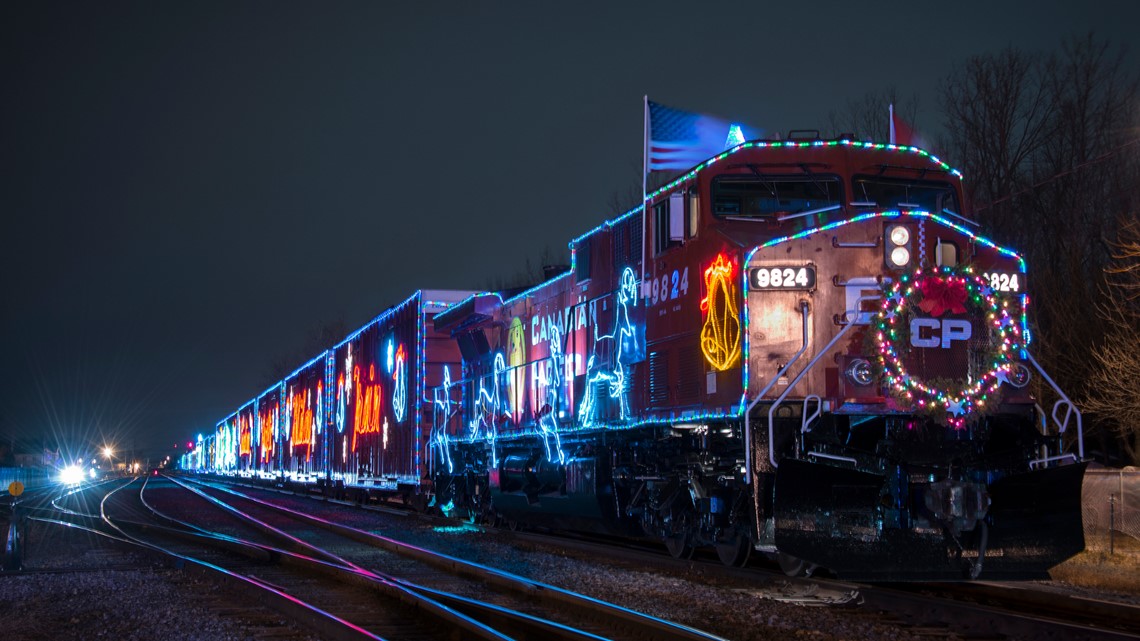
{"type": "Point", "coordinates": [859, 372]}
{"type": "Point", "coordinates": [900, 256]}
{"type": "Point", "coordinates": [897, 246]}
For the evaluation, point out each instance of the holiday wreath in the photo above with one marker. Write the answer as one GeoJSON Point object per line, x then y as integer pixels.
{"type": "Point", "coordinates": [932, 293]}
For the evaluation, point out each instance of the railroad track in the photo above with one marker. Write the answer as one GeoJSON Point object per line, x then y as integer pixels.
{"type": "Point", "coordinates": [454, 592]}
{"type": "Point", "coordinates": [977, 611]}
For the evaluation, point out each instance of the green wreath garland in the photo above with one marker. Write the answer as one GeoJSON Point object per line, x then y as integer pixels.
{"type": "Point", "coordinates": [932, 293]}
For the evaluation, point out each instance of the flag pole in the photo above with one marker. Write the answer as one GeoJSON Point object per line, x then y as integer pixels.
{"type": "Point", "coordinates": [891, 111]}
{"type": "Point", "coordinates": [644, 178]}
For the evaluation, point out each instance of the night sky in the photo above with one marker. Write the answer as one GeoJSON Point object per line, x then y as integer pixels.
{"type": "Point", "coordinates": [189, 188]}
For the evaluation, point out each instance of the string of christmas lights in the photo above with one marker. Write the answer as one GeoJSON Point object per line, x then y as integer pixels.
{"type": "Point", "coordinates": [950, 287]}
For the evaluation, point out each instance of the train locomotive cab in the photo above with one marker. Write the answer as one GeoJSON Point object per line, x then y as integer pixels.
{"type": "Point", "coordinates": [890, 426]}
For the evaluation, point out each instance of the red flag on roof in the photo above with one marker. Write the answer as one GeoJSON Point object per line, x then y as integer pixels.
{"type": "Point", "coordinates": [901, 131]}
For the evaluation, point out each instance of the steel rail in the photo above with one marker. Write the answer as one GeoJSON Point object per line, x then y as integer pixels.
{"type": "Point", "coordinates": [299, 609]}
{"type": "Point", "coordinates": [613, 614]}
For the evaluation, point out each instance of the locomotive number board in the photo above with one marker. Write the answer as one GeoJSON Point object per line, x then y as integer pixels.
{"type": "Point", "coordinates": [1005, 282]}
{"type": "Point", "coordinates": [782, 277]}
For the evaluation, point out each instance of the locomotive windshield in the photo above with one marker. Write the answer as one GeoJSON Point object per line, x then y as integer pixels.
{"type": "Point", "coordinates": [893, 193]}
{"type": "Point", "coordinates": [767, 197]}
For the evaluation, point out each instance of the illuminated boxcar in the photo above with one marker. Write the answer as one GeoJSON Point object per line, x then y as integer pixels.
{"type": "Point", "coordinates": [305, 420]}
{"type": "Point", "coordinates": [271, 441]}
{"type": "Point", "coordinates": [354, 420]}
{"type": "Point", "coordinates": [378, 380]}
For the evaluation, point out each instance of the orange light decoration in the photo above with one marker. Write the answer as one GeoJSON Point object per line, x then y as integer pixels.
{"type": "Point", "coordinates": [367, 402]}
{"type": "Point", "coordinates": [301, 426]}
{"type": "Point", "coordinates": [720, 336]}
{"type": "Point", "coordinates": [268, 427]}
{"type": "Point", "coordinates": [245, 438]}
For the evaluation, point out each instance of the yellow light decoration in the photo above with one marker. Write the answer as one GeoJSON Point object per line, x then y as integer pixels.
{"type": "Point", "coordinates": [268, 426]}
{"type": "Point", "coordinates": [720, 336]}
{"type": "Point", "coordinates": [301, 426]}
{"type": "Point", "coordinates": [367, 402]}
{"type": "Point", "coordinates": [516, 358]}
{"type": "Point", "coordinates": [245, 435]}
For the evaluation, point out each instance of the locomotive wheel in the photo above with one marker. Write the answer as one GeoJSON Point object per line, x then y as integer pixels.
{"type": "Point", "coordinates": [679, 546]}
{"type": "Point", "coordinates": [678, 536]}
{"type": "Point", "coordinates": [734, 552]}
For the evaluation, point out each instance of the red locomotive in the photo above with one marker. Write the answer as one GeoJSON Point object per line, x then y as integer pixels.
{"type": "Point", "coordinates": [799, 347]}
{"type": "Point", "coordinates": [803, 349]}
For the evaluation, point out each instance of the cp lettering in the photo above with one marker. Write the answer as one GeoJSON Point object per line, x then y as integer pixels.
{"type": "Point", "coordinates": [931, 332]}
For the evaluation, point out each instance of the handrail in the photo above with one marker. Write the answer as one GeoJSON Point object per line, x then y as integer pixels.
{"type": "Point", "coordinates": [806, 420]}
{"type": "Point", "coordinates": [1062, 425]}
{"type": "Point", "coordinates": [760, 396]}
{"type": "Point", "coordinates": [1049, 459]}
{"type": "Point", "coordinates": [851, 323]}
{"type": "Point", "coordinates": [810, 212]}
{"type": "Point", "coordinates": [833, 457]}
{"type": "Point", "coordinates": [837, 244]}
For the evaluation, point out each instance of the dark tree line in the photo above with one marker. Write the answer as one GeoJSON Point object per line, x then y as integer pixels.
{"type": "Point", "coordinates": [1114, 387]}
{"type": "Point", "coordinates": [318, 338]}
{"type": "Point", "coordinates": [1049, 145]}
{"type": "Point", "coordinates": [1050, 149]}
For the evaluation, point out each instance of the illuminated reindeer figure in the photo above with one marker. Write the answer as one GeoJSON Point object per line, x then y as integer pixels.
{"type": "Point", "coordinates": [486, 411]}
{"type": "Point", "coordinates": [548, 420]}
{"type": "Point", "coordinates": [622, 341]}
{"type": "Point", "coordinates": [439, 438]}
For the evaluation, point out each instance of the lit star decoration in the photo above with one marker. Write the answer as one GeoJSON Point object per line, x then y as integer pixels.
{"type": "Point", "coordinates": [935, 292]}
{"type": "Point", "coordinates": [720, 335]}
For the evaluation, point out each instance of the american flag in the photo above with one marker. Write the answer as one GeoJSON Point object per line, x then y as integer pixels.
{"type": "Point", "coordinates": [679, 139]}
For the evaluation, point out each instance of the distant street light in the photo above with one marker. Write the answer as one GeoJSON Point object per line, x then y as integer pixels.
{"type": "Point", "coordinates": [108, 452]}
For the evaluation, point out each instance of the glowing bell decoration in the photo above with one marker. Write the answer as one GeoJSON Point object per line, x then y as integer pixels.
{"type": "Point", "coordinates": [720, 335]}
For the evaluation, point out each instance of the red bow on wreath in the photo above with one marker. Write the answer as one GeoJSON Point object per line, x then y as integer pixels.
{"type": "Point", "coordinates": [940, 296]}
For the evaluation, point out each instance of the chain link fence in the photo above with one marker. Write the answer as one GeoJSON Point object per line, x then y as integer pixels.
{"type": "Point", "coordinates": [1110, 502]}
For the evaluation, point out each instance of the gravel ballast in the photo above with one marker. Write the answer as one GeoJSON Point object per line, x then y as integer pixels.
{"type": "Point", "coordinates": [77, 586]}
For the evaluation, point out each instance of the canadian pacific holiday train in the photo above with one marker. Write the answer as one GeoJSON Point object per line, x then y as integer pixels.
{"type": "Point", "coordinates": [802, 348]}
